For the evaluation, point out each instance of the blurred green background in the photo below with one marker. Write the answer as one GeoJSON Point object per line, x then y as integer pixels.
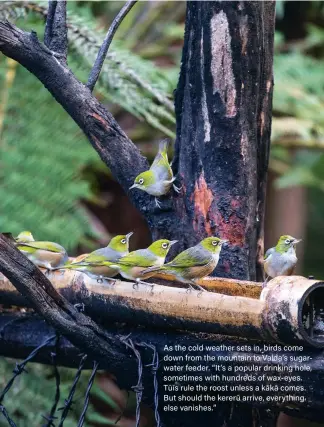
{"type": "Point", "coordinates": [54, 184]}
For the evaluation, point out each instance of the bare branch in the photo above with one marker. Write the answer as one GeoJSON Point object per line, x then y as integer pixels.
{"type": "Point", "coordinates": [113, 146]}
{"type": "Point", "coordinates": [58, 312]}
{"type": "Point", "coordinates": [94, 74]}
{"type": "Point", "coordinates": [55, 37]}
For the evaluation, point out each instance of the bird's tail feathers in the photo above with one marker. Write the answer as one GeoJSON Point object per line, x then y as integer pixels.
{"type": "Point", "coordinates": [163, 145]}
{"type": "Point", "coordinates": [152, 269]}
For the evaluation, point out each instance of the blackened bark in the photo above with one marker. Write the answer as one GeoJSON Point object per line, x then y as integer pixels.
{"type": "Point", "coordinates": [55, 36]}
{"type": "Point", "coordinates": [112, 144]}
{"type": "Point", "coordinates": [223, 109]}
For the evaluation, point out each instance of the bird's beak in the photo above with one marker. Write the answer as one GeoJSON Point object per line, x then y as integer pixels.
{"type": "Point", "coordinates": [133, 186]}
{"type": "Point", "coordinates": [224, 241]}
{"type": "Point", "coordinates": [129, 235]}
{"type": "Point", "coordinates": [296, 241]}
{"type": "Point", "coordinates": [173, 242]}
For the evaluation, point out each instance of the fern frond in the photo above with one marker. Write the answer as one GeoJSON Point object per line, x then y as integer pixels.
{"type": "Point", "coordinates": [126, 79]}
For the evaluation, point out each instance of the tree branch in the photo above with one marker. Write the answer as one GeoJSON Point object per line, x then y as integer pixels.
{"type": "Point", "coordinates": [15, 343]}
{"type": "Point", "coordinates": [94, 74]}
{"type": "Point", "coordinates": [113, 146]}
{"type": "Point", "coordinates": [55, 37]}
{"type": "Point", "coordinates": [59, 313]}
{"type": "Point", "coordinates": [274, 316]}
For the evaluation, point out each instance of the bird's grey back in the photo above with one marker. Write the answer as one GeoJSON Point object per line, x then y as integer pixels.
{"type": "Point", "coordinates": [197, 253]}
{"type": "Point", "coordinates": [109, 253]}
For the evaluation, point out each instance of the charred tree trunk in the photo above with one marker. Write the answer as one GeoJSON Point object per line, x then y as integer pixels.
{"type": "Point", "coordinates": [223, 109]}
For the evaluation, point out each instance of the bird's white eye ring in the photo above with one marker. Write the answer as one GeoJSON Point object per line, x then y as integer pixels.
{"type": "Point", "coordinates": [287, 241]}
{"type": "Point", "coordinates": [123, 241]}
{"type": "Point", "coordinates": [214, 243]}
{"type": "Point", "coordinates": [164, 245]}
{"type": "Point", "coordinates": [141, 181]}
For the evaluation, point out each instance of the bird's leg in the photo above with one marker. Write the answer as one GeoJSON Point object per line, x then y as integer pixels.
{"type": "Point", "coordinates": [111, 280]}
{"type": "Point", "coordinates": [190, 289]}
{"type": "Point", "coordinates": [265, 282]}
{"type": "Point", "coordinates": [176, 189]}
{"type": "Point", "coordinates": [157, 203]}
{"type": "Point", "coordinates": [100, 279]}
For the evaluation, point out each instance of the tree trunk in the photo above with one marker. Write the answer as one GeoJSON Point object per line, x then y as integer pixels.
{"type": "Point", "coordinates": [223, 109]}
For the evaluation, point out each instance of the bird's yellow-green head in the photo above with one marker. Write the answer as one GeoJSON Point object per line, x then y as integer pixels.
{"type": "Point", "coordinates": [161, 247]}
{"type": "Point", "coordinates": [120, 243]}
{"type": "Point", "coordinates": [213, 244]}
{"type": "Point", "coordinates": [286, 242]}
{"type": "Point", "coordinates": [144, 180]}
{"type": "Point", "coordinates": [24, 236]}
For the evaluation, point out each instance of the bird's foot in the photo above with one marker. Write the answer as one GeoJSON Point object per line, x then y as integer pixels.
{"type": "Point", "coordinates": [177, 189]}
{"type": "Point", "coordinates": [100, 279]}
{"type": "Point", "coordinates": [200, 289]}
{"type": "Point", "coordinates": [190, 289]}
{"type": "Point", "coordinates": [264, 284]}
{"type": "Point", "coordinates": [157, 203]}
{"type": "Point", "coordinates": [79, 307]}
{"type": "Point", "coordinates": [48, 271]}
{"type": "Point", "coordinates": [111, 280]}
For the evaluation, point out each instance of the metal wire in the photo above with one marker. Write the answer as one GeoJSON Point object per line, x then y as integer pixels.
{"type": "Point", "coordinates": [138, 388]}
{"type": "Point", "coordinates": [155, 367]}
{"type": "Point", "coordinates": [68, 401]}
{"type": "Point", "coordinates": [6, 415]}
{"type": "Point", "coordinates": [19, 369]}
{"type": "Point", "coordinates": [50, 418]}
{"type": "Point", "coordinates": [87, 395]}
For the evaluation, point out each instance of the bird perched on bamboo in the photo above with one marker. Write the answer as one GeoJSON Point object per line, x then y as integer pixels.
{"type": "Point", "coordinates": [158, 180]}
{"type": "Point", "coordinates": [132, 265]}
{"type": "Point", "coordinates": [44, 254]}
{"type": "Point", "coordinates": [96, 264]}
{"type": "Point", "coordinates": [281, 260]}
{"type": "Point", "coordinates": [24, 236]}
{"type": "Point", "coordinates": [194, 263]}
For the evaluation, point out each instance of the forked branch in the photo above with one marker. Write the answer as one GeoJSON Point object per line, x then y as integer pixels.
{"type": "Point", "coordinates": [94, 74]}
{"type": "Point", "coordinates": [55, 37]}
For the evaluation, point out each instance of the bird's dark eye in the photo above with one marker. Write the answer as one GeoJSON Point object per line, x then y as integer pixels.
{"type": "Point", "coordinates": [123, 241]}
{"type": "Point", "coordinates": [165, 245]}
{"type": "Point", "coordinates": [214, 243]}
{"type": "Point", "coordinates": [287, 241]}
{"type": "Point", "coordinates": [141, 181]}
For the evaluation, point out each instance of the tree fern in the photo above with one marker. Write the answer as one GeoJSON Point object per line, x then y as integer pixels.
{"type": "Point", "coordinates": [42, 155]}
{"type": "Point", "coordinates": [126, 79]}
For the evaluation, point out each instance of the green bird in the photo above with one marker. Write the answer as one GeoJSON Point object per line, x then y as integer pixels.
{"type": "Point", "coordinates": [281, 260]}
{"type": "Point", "coordinates": [96, 264]}
{"type": "Point", "coordinates": [24, 236]}
{"type": "Point", "coordinates": [44, 254]}
{"type": "Point", "coordinates": [193, 263]}
{"type": "Point", "coordinates": [131, 266]}
{"type": "Point", "coordinates": [158, 180]}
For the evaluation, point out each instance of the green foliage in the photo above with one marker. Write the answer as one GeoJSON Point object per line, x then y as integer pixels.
{"type": "Point", "coordinates": [42, 156]}
{"type": "Point", "coordinates": [32, 394]}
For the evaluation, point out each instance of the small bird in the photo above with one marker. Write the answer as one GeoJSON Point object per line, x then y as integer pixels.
{"type": "Point", "coordinates": [193, 263]}
{"type": "Point", "coordinates": [158, 180]}
{"type": "Point", "coordinates": [44, 254]}
{"type": "Point", "coordinates": [93, 264]}
{"type": "Point", "coordinates": [132, 265]}
{"type": "Point", "coordinates": [281, 260]}
{"type": "Point", "coordinates": [24, 236]}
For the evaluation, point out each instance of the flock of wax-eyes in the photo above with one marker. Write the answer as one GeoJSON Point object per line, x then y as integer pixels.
{"type": "Point", "coordinates": [188, 267]}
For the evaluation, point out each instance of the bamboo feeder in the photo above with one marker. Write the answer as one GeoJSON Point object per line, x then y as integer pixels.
{"type": "Point", "coordinates": [289, 310]}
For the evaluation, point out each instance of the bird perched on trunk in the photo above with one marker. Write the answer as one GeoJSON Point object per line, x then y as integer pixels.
{"type": "Point", "coordinates": [96, 264]}
{"type": "Point", "coordinates": [132, 265]}
{"type": "Point", "coordinates": [193, 263]}
{"type": "Point", "coordinates": [44, 254]}
{"type": "Point", "coordinates": [159, 179]}
{"type": "Point", "coordinates": [24, 236]}
{"type": "Point", "coordinates": [281, 260]}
